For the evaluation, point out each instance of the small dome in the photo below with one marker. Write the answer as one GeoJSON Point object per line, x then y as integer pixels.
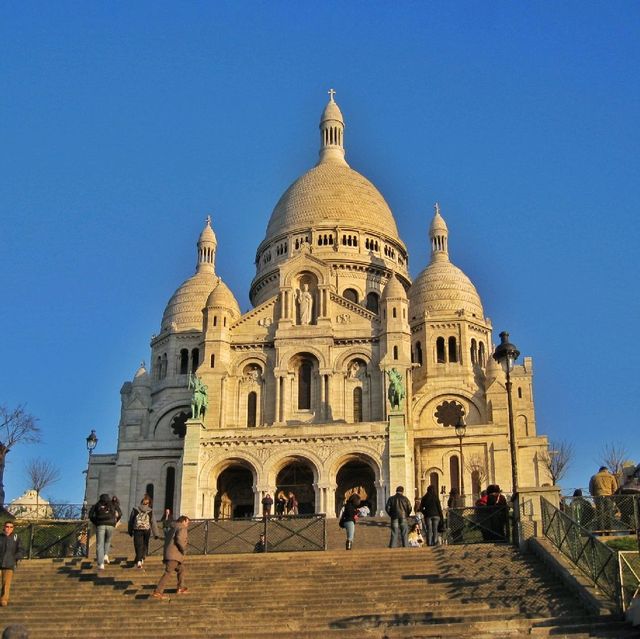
{"type": "Point", "coordinates": [438, 225]}
{"type": "Point", "coordinates": [184, 310]}
{"type": "Point", "coordinates": [141, 378]}
{"type": "Point", "coordinates": [207, 234]}
{"type": "Point", "coordinates": [394, 289]}
{"type": "Point", "coordinates": [221, 296]}
{"type": "Point", "coordinates": [332, 112]}
{"type": "Point", "coordinates": [443, 288]}
{"type": "Point", "coordinates": [335, 195]}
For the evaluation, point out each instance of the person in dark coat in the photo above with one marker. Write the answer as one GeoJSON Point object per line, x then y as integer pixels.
{"type": "Point", "coordinates": [399, 508]}
{"type": "Point", "coordinates": [10, 552]}
{"type": "Point", "coordinates": [173, 558]}
{"type": "Point", "coordinates": [104, 515]}
{"type": "Point", "coordinates": [432, 511]}
{"type": "Point", "coordinates": [267, 503]}
{"type": "Point", "coordinates": [349, 517]}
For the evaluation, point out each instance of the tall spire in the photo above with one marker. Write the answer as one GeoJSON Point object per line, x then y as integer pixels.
{"type": "Point", "coordinates": [439, 235]}
{"type": "Point", "coordinates": [207, 249]}
{"type": "Point", "coordinates": [332, 132]}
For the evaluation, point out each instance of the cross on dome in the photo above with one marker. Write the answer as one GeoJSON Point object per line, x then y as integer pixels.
{"type": "Point", "coordinates": [331, 93]}
{"type": "Point", "coordinates": [436, 208]}
{"type": "Point", "coordinates": [208, 220]}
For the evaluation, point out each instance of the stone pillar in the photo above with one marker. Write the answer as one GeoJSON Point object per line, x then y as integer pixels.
{"type": "Point", "coordinates": [190, 467]}
{"type": "Point", "coordinates": [276, 412]}
{"type": "Point", "coordinates": [529, 501]}
{"type": "Point", "coordinates": [400, 470]}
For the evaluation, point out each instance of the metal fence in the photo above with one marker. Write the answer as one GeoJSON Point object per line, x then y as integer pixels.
{"type": "Point", "coordinates": [289, 533]}
{"type": "Point", "coordinates": [53, 539]}
{"type": "Point", "coordinates": [479, 524]}
{"type": "Point", "coordinates": [612, 514]}
{"type": "Point", "coordinates": [594, 558]}
{"type": "Point", "coordinates": [629, 576]}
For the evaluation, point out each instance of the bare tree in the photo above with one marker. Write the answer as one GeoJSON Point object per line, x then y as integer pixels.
{"type": "Point", "coordinates": [16, 427]}
{"type": "Point", "coordinates": [475, 464]}
{"type": "Point", "coordinates": [41, 473]}
{"type": "Point", "coordinates": [557, 459]}
{"type": "Point", "coordinates": [613, 457]}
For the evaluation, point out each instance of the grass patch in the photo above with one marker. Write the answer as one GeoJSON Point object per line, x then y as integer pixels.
{"type": "Point", "coordinates": [623, 543]}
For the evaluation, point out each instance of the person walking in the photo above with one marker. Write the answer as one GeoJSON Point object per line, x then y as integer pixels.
{"type": "Point", "coordinates": [281, 504]}
{"type": "Point", "coordinates": [432, 512]}
{"type": "Point", "coordinates": [602, 486]}
{"type": "Point", "coordinates": [349, 517]}
{"type": "Point", "coordinates": [104, 515]}
{"type": "Point", "coordinates": [10, 552]}
{"type": "Point", "coordinates": [267, 503]}
{"type": "Point", "coordinates": [292, 504]}
{"type": "Point", "coordinates": [141, 526]}
{"type": "Point", "coordinates": [398, 507]}
{"type": "Point", "coordinates": [173, 557]}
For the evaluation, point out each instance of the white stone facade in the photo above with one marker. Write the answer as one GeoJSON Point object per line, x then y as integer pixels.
{"type": "Point", "coordinates": [297, 386]}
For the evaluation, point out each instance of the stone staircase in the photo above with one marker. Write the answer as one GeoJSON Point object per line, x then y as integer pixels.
{"type": "Point", "coordinates": [482, 591]}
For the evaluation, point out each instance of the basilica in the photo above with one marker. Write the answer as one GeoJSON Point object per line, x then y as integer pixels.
{"type": "Point", "coordinates": [296, 390]}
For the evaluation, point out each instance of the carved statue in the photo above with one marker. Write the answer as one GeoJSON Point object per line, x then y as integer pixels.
{"type": "Point", "coordinates": [305, 302]}
{"type": "Point", "coordinates": [396, 389]}
{"type": "Point", "coordinates": [199, 399]}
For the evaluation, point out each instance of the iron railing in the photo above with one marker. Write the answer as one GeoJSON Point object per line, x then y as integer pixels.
{"type": "Point", "coordinates": [288, 533]}
{"type": "Point", "coordinates": [53, 539]}
{"type": "Point", "coordinates": [479, 524]}
{"type": "Point", "coordinates": [614, 513]}
{"type": "Point", "coordinates": [629, 576]}
{"type": "Point", "coordinates": [594, 558]}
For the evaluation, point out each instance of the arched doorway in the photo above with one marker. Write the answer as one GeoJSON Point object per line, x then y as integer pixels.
{"type": "Point", "coordinates": [234, 497]}
{"type": "Point", "coordinates": [297, 477]}
{"type": "Point", "coordinates": [356, 476]}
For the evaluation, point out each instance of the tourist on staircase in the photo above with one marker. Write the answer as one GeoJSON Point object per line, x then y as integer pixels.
{"type": "Point", "coordinates": [104, 515]}
{"type": "Point", "coordinates": [416, 540]}
{"type": "Point", "coordinates": [173, 558]}
{"type": "Point", "coordinates": [602, 486]}
{"type": "Point", "coordinates": [10, 553]}
{"type": "Point", "coordinates": [432, 511]}
{"type": "Point", "coordinates": [349, 517]}
{"type": "Point", "coordinates": [398, 507]}
{"type": "Point", "coordinates": [141, 526]}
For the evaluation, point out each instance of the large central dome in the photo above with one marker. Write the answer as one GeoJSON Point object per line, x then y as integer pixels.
{"type": "Point", "coordinates": [332, 194]}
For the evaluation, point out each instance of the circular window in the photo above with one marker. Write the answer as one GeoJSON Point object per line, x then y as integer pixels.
{"type": "Point", "coordinates": [448, 413]}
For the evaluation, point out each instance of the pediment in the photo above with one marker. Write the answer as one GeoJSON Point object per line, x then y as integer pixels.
{"type": "Point", "coordinates": [346, 312]}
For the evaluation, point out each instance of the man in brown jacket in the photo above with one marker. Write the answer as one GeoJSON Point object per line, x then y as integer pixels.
{"type": "Point", "coordinates": [602, 486]}
{"type": "Point", "coordinates": [174, 555]}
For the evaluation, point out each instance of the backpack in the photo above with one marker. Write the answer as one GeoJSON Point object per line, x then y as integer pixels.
{"type": "Point", "coordinates": [142, 521]}
{"type": "Point", "coordinates": [100, 512]}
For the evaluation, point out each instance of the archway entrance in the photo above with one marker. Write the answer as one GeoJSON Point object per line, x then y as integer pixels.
{"type": "Point", "coordinates": [356, 476]}
{"type": "Point", "coordinates": [297, 477]}
{"type": "Point", "coordinates": [235, 493]}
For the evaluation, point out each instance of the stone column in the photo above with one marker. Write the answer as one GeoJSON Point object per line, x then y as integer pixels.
{"type": "Point", "coordinates": [276, 412]}
{"type": "Point", "coordinates": [190, 467]}
{"type": "Point", "coordinates": [399, 455]}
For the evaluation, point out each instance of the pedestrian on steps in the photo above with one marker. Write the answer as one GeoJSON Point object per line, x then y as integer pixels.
{"type": "Point", "coordinates": [398, 507]}
{"type": "Point", "coordinates": [432, 511]}
{"type": "Point", "coordinates": [10, 552]}
{"type": "Point", "coordinates": [141, 526]}
{"type": "Point", "coordinates": [349, 517]}
{"type": "Point", "coordinates": [104, 515]}
{"type": "Point", "coordinates": [174, 555]}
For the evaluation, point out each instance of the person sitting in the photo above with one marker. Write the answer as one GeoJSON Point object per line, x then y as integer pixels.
{"type": "Point", "coordinates": [415, 538]}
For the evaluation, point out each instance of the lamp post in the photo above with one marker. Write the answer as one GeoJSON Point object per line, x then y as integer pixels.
{"type": "Point", "coordinates": [506, 354]}
{"type": "Point", "coordinates": [461, 429]}
{"type": "Point", "coordinates": [92, 442]}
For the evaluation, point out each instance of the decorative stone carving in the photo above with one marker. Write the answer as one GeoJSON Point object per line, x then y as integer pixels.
{"type": "Point", "coordinates": [265, 322]}
{"type": "Point", "coordinates": [305, 304]}
{"type": "Point", "coordinates": [343, 318]}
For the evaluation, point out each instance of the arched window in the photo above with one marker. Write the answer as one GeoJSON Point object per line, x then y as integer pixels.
{"type": "Point", "coordinates": [395, 352]}
{"type": "Point", "coordinates": [195, 359]}
{"type": "Point", "coordinates": [215, 320]}
{"type": "Point", "coordinates": [476, 488]}
{"type": "Point", "coordinates": [213, 360]}
{"type": "Point", "coordinates": [158, 370]}
{"type": "Point", "coordinates": [163, 372]}
{"type": "Point", "coordinates": [304, 385]}
{"type": "Point", "coordinates": [357, 404]}
{"type": "Point", "coordinates": [149, 490]}
{"type": "Point", "coordinates": [454, 472]}
{"type": "Point", "coordinates": [481, 355]}
{"type": "Point", "coordinates": [519, 392]}
{"type": "Point", "coordinates": [169, 487]}
{"type": "Point", "coordinates": [453, 350]}
{"type": "Point", "coordinates": [434, 480]}
{"type": "Point", "coordinates": [184, 361]}
{"type": "Point", "coordinates": [394, 312]}
{"type": "Point", "coordinates": [419, 353]}
{"type": "Point", "coordinates": [372, 302]}
{"type": "Point", "coordinates": [351, 294]}
{"type": "Point", "coordinates": [474, 352]}
{"type": "Point", "coordinates": [252, 404]}
{"type": "Point", "coordinates": [440, 354]}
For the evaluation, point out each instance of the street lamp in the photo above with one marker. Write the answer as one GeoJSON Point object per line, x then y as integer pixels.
{"type": "Point", "coordinates": [506, 354]}
{"type": "Point", "coordinates": [461, 429]}
{"type": "Point", "coordinates": [92, 442]}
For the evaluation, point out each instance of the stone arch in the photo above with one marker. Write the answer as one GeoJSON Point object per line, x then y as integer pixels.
{"type": "Point", "coordinates": [355, 352]}
{"type": "Point", "coordinates": [287, 356]}
{"type": "Point", "coordinates": [276, 464]}
{"type": "Point", "coordinates": [244, 359]}
{"type": "Point", "coordinates": [167, 415]}
{"type": "Point", "coordinates": [356, 473]}
{"type": "Point", "coordinates": [427, 477]}
{"type": "Point", "coordinates": [522, 426]}
{"type": "Point", "coordinates": [297, 474]}
{"type": "Point", "coordinates": [425, 405]}
{"type": "Point", "coordinates": [323, 277]}
{"type": "Point", "coordinates": [215, 465]}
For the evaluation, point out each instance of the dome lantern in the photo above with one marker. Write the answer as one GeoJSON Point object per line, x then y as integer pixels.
{"type": "Point", "coordinates": [439, 235]}
{"type": "Point", "coordinates": [207, 249]}
{"type": "Point", "coordinates": [332, 132]}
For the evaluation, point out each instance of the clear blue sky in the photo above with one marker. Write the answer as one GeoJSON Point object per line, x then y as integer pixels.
{"type": "Point", "coordinates": [122, 125]}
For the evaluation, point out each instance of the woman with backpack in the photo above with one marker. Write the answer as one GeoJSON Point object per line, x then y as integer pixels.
{"type": "Point", "coordinates": [141, 526]}
{"type": "Point", "coordinates": [349, 517]}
